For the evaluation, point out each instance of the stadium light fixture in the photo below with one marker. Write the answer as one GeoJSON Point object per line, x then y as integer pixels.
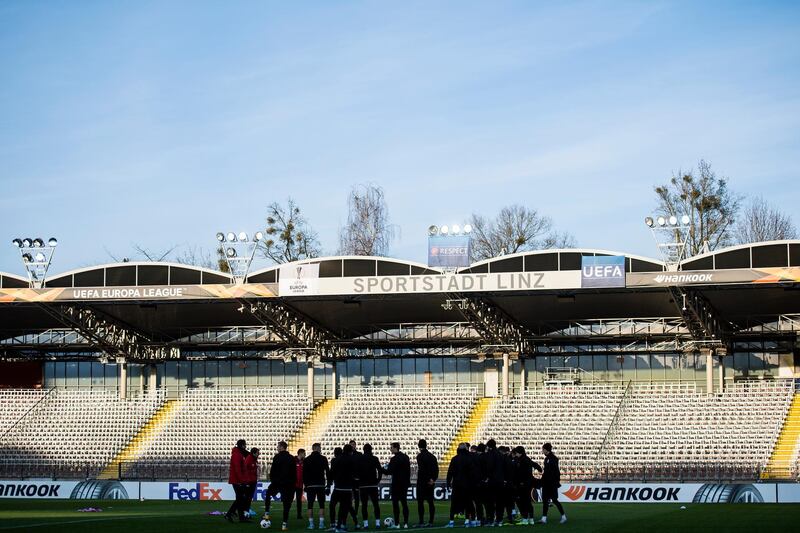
{"type": "Point", "coordinates": [444, 230]}
{"type": "Point", "coordinates": [239, 251]}
{"type": "Point", "coordinates": [433, 230]}
{"type": "Point", "coordinates": [467, 228]}
{"type": "Point", "coordinates": [670, 233]}
{"type": "Point", "coordinates": [36, 254]}
{"type": "Point", "coordinates": [456, 229]}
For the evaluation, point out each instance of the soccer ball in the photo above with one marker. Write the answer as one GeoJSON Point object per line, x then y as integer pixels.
{"type": "Point", "coordinates": [265, 524]}
{"type": "Point", "coordinates": [388, 521]}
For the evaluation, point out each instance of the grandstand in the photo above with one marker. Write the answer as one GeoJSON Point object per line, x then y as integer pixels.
{"type": "Point", "coordinates": [153, 370]}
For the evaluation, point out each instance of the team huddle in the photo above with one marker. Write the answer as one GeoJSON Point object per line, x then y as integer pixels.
{"type": "Point", "coordinates": [487, 485]}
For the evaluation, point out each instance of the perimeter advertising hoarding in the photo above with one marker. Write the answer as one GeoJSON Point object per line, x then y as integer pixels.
{"type": "Point", "coordinates": [299, 280]}
{"type": "Point", "coordinates": [573, 492]}
{"type": "Point", "coordinates": [450, 251]}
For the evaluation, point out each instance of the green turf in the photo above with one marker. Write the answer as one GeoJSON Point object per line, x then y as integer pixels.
{"type": "Point", "coordinates": [157, 516]}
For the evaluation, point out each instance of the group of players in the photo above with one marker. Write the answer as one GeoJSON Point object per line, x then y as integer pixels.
{"type": "Point", "coordinates": [486, 483]}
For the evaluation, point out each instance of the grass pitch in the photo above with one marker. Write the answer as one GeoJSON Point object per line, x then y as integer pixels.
{"type": "Point", "coordinates": [170, 516]}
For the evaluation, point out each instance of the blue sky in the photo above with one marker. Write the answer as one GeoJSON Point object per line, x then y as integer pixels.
{"type": "Point", "coordinates": [160, 123]}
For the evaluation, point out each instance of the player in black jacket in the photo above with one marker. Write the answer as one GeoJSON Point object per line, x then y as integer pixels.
{"type": "Point", "coordinates": [356, 497]}
{"type": "Point", "coordinates": [399, 468]}
{"type": "Point", "coordinates": [493, 473]}
{"type": "Point", "coordinates": [427, 474]}
{"type": "Point", "coordinates": [316, 476]}
{"type": "Point", "coordinates": [282, 479]}
{"type": "Point", "coordinates": [370, 473]}
{"type": "Point", "coordinates": [343, 473]}
{"type": "Point", "coordinates": [507, 494]}
{"type": "Point", "coordinates": [551, 481]}
{"type": "Point", "coordinates": [337, 454]}
{"type": "Point", "coordinates": [523, 483]}
{"type": "Point", "coordinates": [479, 486]}
{"type": "Point", "coordinates": [460, 477]}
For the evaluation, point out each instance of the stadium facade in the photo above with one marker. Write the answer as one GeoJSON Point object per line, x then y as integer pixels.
{"type": "Point", "coordinates": [510, 327]}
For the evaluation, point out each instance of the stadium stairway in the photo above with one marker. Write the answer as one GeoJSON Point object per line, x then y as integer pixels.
{"type": "Point", "coordinates": [141, 441]}
{"type": "Point", "coordinates": [785, 451]}
{"type": "Point", "coordinates": [315, 425]}
{"type": "Point", "coordinates": [469, 430]}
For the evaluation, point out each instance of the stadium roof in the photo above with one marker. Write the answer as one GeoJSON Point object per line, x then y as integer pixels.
{"type": "Point", "coordinates": [542, 291]}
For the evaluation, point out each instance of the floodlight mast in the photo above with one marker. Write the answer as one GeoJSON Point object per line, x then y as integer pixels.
{"type": "Point", "coordinates": [670, 234]}
{"type": "Point", "coordinates": [36, 254]}
{"type": "Point", "coordinates": [449, 231]}
{"type": "Point", "coordinates": [239, 251]}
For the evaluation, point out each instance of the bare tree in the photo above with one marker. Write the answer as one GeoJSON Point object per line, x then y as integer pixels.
{"type": "Point", "coordinates": [142, 253]}
{"type": "Point", "coordinates": [368, 231]}
{"type": "Point", "coordinates": [515, 229]}
{"type": "Point", "coordinates": [761, 222]}
{"type": "Point", "coordinates": [708, 202]}
{"type": "Point", "coordinates": [289, 235]}
{"type": "Point", "coordinates": [198, 256]}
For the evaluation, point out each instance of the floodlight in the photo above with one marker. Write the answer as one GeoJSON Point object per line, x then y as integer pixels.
{"type": "Point", "coordinates": [27, 258]}
{"type": "Point", "coordinates": [445, 230]}
{"type": "Point", "coordinates": [258, 236]}
{"type": "Point", "coordinates": [685, 219]}
{"type": "Point", "coordinates": [17, 243]}
{"type": "Point", "coordinates": [231, 237]}
{"type": "Point", "coordinates": [649, 221]}
{"type": "Point", "coordinates": [467, 228]}
{"type": "Point", "coordinates": [220, 236]}
{"type": "Point", "coordinates": [673, 220]}
{"type": "Point", "coordinates": [456, 229]}
{"type": "Point", "coordinates": [40, 257]}
{"type": "Point", "coordinates": [433, 230]}
{"type": "Point", "coordinates": [243, 237]}
{"type": "Point", "coordinates": [26, 242]}
{"type": "Point", "coordinates": [38, 243]}
{"type": "Point", "coordinates": [231, 252]}
{"type": "Point", "coordinates": [52, 241]}
{"type": "Point", "coordinates": [662, 221]}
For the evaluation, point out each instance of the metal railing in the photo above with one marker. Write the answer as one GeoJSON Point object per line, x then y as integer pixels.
{"type": "Point", "coordinates": [614, 426]}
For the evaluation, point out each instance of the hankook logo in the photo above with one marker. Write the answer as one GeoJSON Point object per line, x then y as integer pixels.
{"type": "Point", "coordinates": [683, 278]}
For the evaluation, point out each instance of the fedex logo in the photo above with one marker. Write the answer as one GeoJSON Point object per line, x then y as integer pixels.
{"type": "Point", "coordinates": [202, 491]}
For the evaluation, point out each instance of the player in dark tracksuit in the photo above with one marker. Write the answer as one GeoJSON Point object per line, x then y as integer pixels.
{"type": "Point", "coordinates": [493, 472]}
{"type": "Point", "coordinates": [508, 489]}
{"type": "Point", "coordinates": [337, 454]}
{"type": "Point", "coordinates": [282, 479]}
{"type": "Point", "coordinates": [459, 479]}
{"type": "Point", "coordinates": [551, 481]}
{"type": "Point", "coordinates": [316, 475]}
{"type": "Point", "coordinates": [370, 473]}
{"type": "Point", "coordinates": [356, 497]}
{"type": "Point", "coordinates": [399, 468]}
{"type": "Point", "coordinates": [427, 474]}
{"type": "Point", "coordinates": [343, 473]}
{"type": "Point", "coordinates": [523, 483]}
{"type": "Point", "coordinates": [479, 485]}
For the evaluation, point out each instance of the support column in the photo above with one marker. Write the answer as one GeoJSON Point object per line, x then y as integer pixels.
{"type": "Point", "coordinates": [122, 383]}
{"type": "Point", "coordinates": [505, 375]}
{"type": "Point", "coordinates": [709, 372]}
{"type": "Point", "coordinates": [142, 380]}
{"type": "Point", "coordinates": [721, 374]}
{"type": "Point", "coordinates": [152, 378]}
{"type": "Point", "coordinates": [523, 386]}
{"type": "Point", "coordinates": [311, 380]}
{"type": "Point", "coordinates": [334, 380]}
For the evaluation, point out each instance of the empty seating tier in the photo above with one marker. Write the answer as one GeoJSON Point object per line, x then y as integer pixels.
{"type": "Point", "coordinates": [14, 403]}
{"type": "Point", "coordinates": [382, 415]}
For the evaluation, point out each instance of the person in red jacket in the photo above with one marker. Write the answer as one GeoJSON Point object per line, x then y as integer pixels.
{"type": "Point", "coordinates": [251, 475]}
{"type": "Point", "coordinates": [298, 486]}
{"type": "Point", "coordinates": [237, 478]}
